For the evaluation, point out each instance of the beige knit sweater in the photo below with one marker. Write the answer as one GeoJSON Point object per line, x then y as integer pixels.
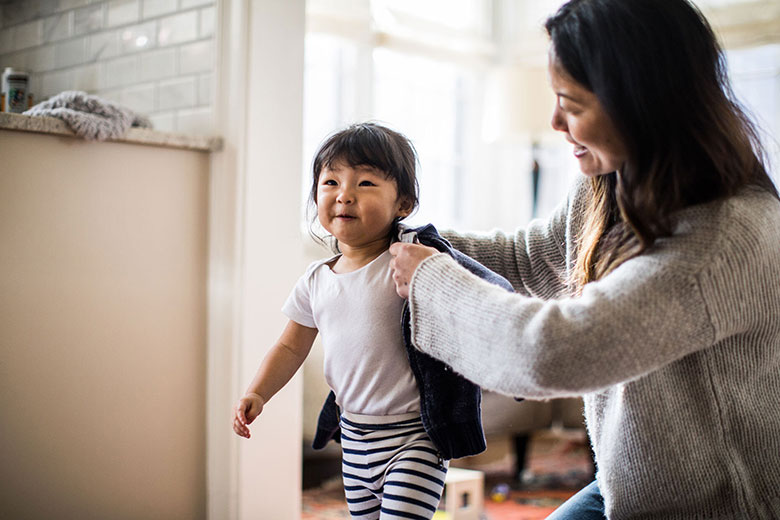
{"type": "Point", "coordinates": [676, 352]}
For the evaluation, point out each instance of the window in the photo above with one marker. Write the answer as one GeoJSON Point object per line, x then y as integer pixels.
{"type": "Point", "coordinates": [422, 68]}
{"type": "Point", "coordinates": [435, 70]}
{"type": "Point", "coordinates": [755, 75]}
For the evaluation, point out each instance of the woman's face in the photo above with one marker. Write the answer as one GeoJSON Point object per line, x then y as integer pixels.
{"type": "Point", "coordinates": [579, 114]}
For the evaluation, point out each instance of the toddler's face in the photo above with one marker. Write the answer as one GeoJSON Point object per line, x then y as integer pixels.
{"type": "Point", "coordinates": [357, 205]}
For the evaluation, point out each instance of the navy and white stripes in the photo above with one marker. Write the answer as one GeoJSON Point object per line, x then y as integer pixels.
{"type": "Point", "coordinates": [390, 466]}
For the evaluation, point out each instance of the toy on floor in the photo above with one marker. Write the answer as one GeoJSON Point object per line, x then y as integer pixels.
{"type": "Point", "coordinates": [463, 494]}
{"type": "Point", "coordinates": [499, 493]}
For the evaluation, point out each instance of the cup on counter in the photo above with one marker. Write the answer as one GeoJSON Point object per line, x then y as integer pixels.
{"type": "Point", "coordinates": [15, 91]}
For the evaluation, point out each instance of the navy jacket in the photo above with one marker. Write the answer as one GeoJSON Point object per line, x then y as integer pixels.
{"type": "Point", "coordinates": [450, 405]}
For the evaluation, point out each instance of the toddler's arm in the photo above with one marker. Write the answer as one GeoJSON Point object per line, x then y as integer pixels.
{"type": "Point", "coordinates": [277, 368]}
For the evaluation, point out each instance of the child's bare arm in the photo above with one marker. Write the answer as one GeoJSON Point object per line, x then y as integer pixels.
{"type": "Point", "coordinates": [277, 368]}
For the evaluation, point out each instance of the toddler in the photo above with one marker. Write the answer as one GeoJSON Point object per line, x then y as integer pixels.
{"type": "Point", "coordinates": [398, 414]}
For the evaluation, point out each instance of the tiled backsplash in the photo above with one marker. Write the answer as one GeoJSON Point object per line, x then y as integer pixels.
{"type": "Point", "coordinates": [153, 56]}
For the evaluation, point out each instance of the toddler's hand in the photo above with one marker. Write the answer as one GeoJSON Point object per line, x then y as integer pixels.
{"type": "Point", "coordinates": [246, 410]}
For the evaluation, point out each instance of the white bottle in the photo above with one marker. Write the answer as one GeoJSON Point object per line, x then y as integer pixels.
{"type": "Point", "coordinates": [15, 91]}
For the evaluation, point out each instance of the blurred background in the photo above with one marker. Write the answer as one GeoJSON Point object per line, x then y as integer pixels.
{"type": "Point", "coordinates": [464, 79]}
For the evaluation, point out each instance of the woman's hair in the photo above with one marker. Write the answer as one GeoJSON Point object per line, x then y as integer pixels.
{"type": "Point", "coordinates": [660, 74]}
{"type": "Point", "coordinates": [368, 144]}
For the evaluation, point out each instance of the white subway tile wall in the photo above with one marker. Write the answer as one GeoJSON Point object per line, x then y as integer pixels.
{"type": "Point", "coordinates": [178, 93]}
{"type": "Point", "coordinates": [57, 27]}
{"type": "Point", "coordinates": [191, 120]}
{"type": "Point", "coordinates": [120, 72]}
{"type": "Point", "coordinates": [87, 19]}
{"type": "Point", "coordinates": [164, 121]}
{"type": "Point", "coordinates": [207, 21]}
{"type": "Point", "coordinates": [158, 7]}
{"type": "Point", "coordinates": [42, 59]}
{"type": "Point", "coordinates": [178, 28]}
{"type": "Point", "coordinates": [195, 57]}
{"type": "Point", "coordinates": [123, 12]}
{"type": "Point", "coordinates": [155, 57]}
{"type": "Point", "coordinates": [139, 98]}
{"type": "Point", "coordinates": [86, 78]}
{"type": "Point", "coordinates": [158, 64]}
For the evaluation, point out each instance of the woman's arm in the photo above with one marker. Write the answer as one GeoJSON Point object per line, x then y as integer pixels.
{"type": "Point", "coordinates": [532, 259]}
{"type": "Point", "coordinates": [637, 319]}
{"type": "Point", "coordinates": [276, 369]}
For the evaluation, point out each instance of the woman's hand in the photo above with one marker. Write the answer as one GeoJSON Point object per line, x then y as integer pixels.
{"type": "Point", "coordinates": [246, 410]}
{"type": "Point", "coordinates": [406, 258]}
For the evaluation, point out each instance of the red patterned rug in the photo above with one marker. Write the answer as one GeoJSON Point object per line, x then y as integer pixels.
{"type": "Point", "coordinates": [559, 464]}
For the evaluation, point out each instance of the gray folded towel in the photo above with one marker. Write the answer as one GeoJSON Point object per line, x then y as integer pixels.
{"type": "Point", "coordinates": [89, 116]}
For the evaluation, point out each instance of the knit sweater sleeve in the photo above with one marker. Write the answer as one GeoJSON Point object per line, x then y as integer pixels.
{"type": "Point", "coordinates": [640, 317]}
{"type": "Point", "coordinates": [533, 259]}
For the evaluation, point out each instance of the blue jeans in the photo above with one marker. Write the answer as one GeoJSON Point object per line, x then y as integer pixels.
{"type": "Point", "coordinates": [587, 504]}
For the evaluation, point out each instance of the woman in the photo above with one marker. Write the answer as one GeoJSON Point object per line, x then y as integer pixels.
{"type": "Point", "coordinates": [653, 291]}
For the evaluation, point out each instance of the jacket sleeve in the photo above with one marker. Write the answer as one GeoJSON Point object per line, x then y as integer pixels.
{"type": "Point", "coordinates": [635, 320]}
{"type": "Point", "coordinates": [328, 423]}
{"type": "Point", "coordinates": [532, 259]}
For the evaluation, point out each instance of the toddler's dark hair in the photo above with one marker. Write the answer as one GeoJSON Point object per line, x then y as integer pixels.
{"type": "Point", "coordinates": [369, 144]}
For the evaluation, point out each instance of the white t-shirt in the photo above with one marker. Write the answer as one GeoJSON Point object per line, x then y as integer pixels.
{"type": "Point", "coordinates": [358, 315]}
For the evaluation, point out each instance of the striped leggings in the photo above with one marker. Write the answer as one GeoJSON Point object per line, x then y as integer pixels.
{"type": "Point", "coordinates": [391, 468]}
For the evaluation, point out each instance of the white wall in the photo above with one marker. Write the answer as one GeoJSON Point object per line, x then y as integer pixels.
{"type": "Point", "coordinates": [270, 463]}
{"type": "Point", "coordinates": [256, 254]}
{"type": "Point", "coordinates": [154, 56]}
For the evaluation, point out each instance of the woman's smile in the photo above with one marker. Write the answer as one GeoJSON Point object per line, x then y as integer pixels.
{"type": "Point", "coordinates": [579, 114]}
{"type": "Point", "coordinates": [579, 151]}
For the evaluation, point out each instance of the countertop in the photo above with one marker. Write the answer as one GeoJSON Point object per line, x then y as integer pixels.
{"type": "Point", "coordinates": [51, 125]}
